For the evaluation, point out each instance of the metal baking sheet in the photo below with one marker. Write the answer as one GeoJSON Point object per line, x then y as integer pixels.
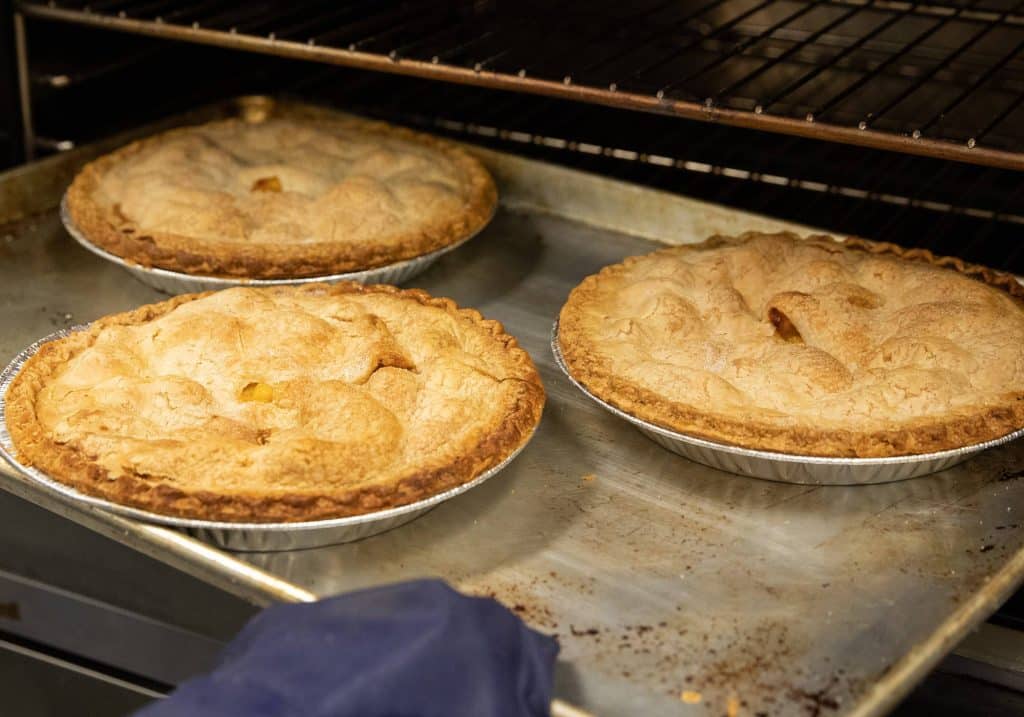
{"type": "Point", "coordinates": [786, 467]}
{"type": "Point", "coordinates": [259, 537]}
{"type": "Point", "coordinates": [176, 282]}
{"type": "Point", "coordinates": [659, 575]}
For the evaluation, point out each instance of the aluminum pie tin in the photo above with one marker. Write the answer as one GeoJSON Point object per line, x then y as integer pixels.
{"type": "Point", "coordinates": [787, 467]}
{"type": "Point", "coordinates": [176, 282]}
{"type": "Point", "coordinates": [241, 537]}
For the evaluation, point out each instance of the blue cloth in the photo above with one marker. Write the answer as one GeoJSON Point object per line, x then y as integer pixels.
{"type": "Point", "coordinates": [416, 649]}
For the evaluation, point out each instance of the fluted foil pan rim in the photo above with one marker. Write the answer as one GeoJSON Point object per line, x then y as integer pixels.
{"type": "Point", "coordinates": [177, 282]}
{"type": "Point", "coordinates": [788, 467]}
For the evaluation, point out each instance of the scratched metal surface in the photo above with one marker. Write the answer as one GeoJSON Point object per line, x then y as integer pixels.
{"type": "Point", "coordinates": [662, 576]}
{"type": "Point", "coordinates": [659, 576]}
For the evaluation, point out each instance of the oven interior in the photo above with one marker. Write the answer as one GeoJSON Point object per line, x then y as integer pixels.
{"type": "Point", "coordinates": [85, 81]}
{"type": "Point", "coordinates": [896, 121]}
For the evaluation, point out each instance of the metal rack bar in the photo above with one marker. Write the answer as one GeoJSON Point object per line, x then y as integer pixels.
{"type": "Point", "coordinates": [1014, 199]}
{"type": "Point", "coordinates": [491, 43]}
{"type": "Point", "coordinates": [935, 179]}
{"type": "Point", "coordinates": [934, 9]}
{"type": "Point", "coordinates": [24, 86]}
{"type": "Point", "coordinates": [249, 20]}
{"type": "Point", "coordinates": [646, 12]}
{"type": "Point", "coordinates": [926, 77]}
{"type": "Point", "coordinates": [301, 31]}
{"type": "Point", "coordinates": [82, 73]}
{"type": "Point", "coordinates": [810, 39]}
{"type": "Point", "coordinates": [720, 29]}
{"type": "Point", "coordinates": [488, 35]}
{"type": "Point", "coordinates": [198, 10]}
{"type": "Point", "coordinates": [649, 153]}
{"type": "Point", "coordinates": [145, 10]}
{"type": "Point", "coordinates": [871, 188]}
{"type": "Point", "coordinates": [996, 121]}
{"type": "Point", "coordinates": [273, 25]}
{"type": "Point", "coordinates": [834, 61]}
{"type": "Point", "coordinates": [818, 113]}
{"type": "Point", "coordinates": [609, 59]}
{"type": "Point", "coordinates": [463, 47]}
{"type": "Point", "coordinates": [109, 5]}
{"type": "Point", "coordinates": [431, 39]}
{"type": "Point", "coordinates": [393, 30]}
{"type": "Point", "coordinates": [742, 46]}
{"type": "Point", "coordinates": [366, 26]}
{"type": "Point", "coordinates": [240, 19]}
{"type": "Point", "coordinates": [944, 224]}
{"type": "Point", "coordinates": [988, 75]}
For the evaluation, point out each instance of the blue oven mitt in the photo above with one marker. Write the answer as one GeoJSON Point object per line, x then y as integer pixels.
{"type": "Point", "coordinates": [416, 649]}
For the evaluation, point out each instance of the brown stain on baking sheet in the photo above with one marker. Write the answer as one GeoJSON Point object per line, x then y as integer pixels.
{"type": "Point", "coordinates": [731, 664]}
{"type": "Point", "coordinates": [698, 639]}
{"type": "Point", "coordinates": [816, 702]}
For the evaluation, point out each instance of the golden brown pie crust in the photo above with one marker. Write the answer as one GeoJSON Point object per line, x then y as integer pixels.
{"type": "Point", "coordinates": [430, 216]}
{"type": "Point", "coordinates": [804, 346]}
{"type": "Point", "coordinates": [276, 405]}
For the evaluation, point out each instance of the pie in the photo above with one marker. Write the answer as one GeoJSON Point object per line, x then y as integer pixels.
{"type": "Point", "coordinates": [286, 197]}
{"type": "Point", "coordinates": [277, 404]}
{"type": "Point", "coordinates": [810, 347]}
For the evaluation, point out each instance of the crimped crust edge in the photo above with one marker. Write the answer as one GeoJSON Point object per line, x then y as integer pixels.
{"type": "Point", "coordinates": [70, 466]}
{"type": "Point", "coordinates": [188, 255]}
{"type": "Point", "coordinates": [913, 438]}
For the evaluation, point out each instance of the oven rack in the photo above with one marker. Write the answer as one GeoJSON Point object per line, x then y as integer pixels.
{"type": "Point", "coordinates": [947, 207]}
{"type": "Point", "coordinates": [934, 79]}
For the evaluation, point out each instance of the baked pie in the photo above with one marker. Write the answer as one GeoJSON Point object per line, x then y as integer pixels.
{"type": "Point", "coordinates": [281, 198]}
{"type": "Point", "coordinates": [278, 404]}
{"type": "Point", "coordinates": [810, 347]}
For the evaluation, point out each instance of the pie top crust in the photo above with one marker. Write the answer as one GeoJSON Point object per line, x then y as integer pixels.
{"type": "Point", "coordinates": [279, 404]}
{"type": "Point", "coordinates": [809, 347]}
{"type": "Point", "coordinates": [281, 198]}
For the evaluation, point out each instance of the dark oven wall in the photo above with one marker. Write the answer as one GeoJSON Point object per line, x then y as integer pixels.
{"type": "Point", "coordinates": [11, 145]}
